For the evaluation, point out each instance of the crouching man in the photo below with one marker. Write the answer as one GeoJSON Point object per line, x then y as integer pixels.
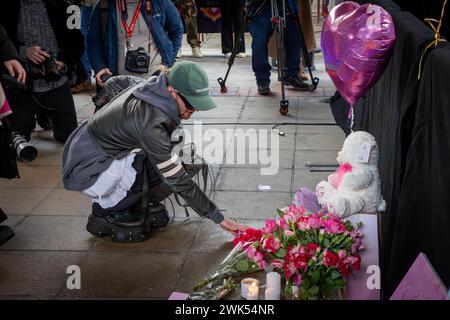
{"type": "Point", "coordinates": [125, 149]}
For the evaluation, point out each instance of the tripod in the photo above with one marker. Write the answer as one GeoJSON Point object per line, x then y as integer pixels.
{"type": "Point", "coordinates": [279, 23]}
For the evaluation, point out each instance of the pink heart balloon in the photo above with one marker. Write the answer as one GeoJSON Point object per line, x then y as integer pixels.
{"type": "Point", "coordinates": [356, 44]}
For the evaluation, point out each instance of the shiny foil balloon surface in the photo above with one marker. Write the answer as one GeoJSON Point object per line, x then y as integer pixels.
{"type": "Point", "coordinates": [356, 44]}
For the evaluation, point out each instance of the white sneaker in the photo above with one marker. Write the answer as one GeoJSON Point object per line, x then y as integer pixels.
{"type": "Point", "coordinates": [228, 55]}
{"type": "Point", "coordinates": [197, 52]}
{"type": "Point", "coordinates": [241, 55]}
{"type": "Point", "coordinates": [179, 54]}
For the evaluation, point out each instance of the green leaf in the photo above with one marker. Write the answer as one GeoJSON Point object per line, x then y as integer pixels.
{"type": "Point", "coordinates": [313, 291]}
{"type": "Point", "coordinates": [360, 225]}
{"type": "Point", "coordinates": [329, 282]}
{"type": "Point", "coordinates": [339, 283]}
{"type": "Point", "coordinates": [326, 243]}
{"type": "Point", "coordinates": [315, 276]}
{"type": "Point", "coordinates": [242, 265]}
{"type": "Point", "coordinates": [281, 253]}
{"type": "Point", "coordinates": [280, 213]}
{"type": "Point", "coordinates": [335, 274]}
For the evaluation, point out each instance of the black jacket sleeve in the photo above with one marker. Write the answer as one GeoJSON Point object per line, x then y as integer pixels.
{"type": "Point", "coordinates": [156, 143]}
{"type": "Point", "coordinates": [7, 49]}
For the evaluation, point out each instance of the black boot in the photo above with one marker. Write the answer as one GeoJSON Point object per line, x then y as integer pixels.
{"type": "Point", "coordinates": [297, 84]}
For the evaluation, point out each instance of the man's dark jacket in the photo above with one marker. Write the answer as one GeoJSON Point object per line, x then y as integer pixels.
{"type": "Point", "coordinates": [70, 42]}
{"type": "Point", "coordinates": [139, 118]}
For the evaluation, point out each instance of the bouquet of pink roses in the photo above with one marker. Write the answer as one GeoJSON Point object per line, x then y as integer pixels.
{"type": "Point", "coordinates": [314, 252]}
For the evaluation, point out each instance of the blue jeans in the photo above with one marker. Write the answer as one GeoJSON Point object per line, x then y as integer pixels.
{"type": "Point", "coordinates": [85, 18]}
{"type": "Point", "coordinates": [261, 30]}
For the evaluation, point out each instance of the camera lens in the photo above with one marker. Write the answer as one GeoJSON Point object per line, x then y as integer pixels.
{"type": "Point", "coordinates": [24, 150]}
{"type": "Point", "coordinates": [141, 61]}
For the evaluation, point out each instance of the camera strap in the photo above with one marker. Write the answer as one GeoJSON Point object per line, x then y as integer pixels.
{"type": "Point", "coordinates": [123, 8]}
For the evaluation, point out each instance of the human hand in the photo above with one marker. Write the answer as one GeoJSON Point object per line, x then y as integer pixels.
{"type": "Point", "coordinates": [15, 69]}
{"type": "Point", "coordinates": [232, 226]}
{"type": "Point", "coordinates": [36, 55]}
{"type": "Point", "coordinates": [102, 72]}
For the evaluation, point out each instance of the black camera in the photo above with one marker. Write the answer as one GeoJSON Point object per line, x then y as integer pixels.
{"type": "Point", "coordinates": [25, 151]}
{"type": "Point", "coordinates": [137, 61]}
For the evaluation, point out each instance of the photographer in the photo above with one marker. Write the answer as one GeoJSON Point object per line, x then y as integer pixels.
{"type": "Point", "coordinates": [261, 29]}
{"type": "Point", "coordinates": [127, 144]}
{"type": "Point", "coordinates": [133, 37]}
{"type": "Point", "coordinates": [8, 165]}
{"type": "Point", "coordinates": [48, 49]}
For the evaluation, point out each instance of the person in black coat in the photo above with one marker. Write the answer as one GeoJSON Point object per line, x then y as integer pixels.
{"type": "Point", "coordinates": [48, 50]}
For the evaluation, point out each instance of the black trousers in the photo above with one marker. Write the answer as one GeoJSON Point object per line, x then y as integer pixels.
{"type": "Point", "coordinates": [57, 104]}
{"type": "Point", "coordinates": [232, 18]}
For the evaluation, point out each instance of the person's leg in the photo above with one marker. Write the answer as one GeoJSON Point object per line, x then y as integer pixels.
{"type": "Point", "coordinates": [261, 30]}
{"type": "Point", "coordinates": [85, 18]}
{"type": "Point", "coordinates": [226, 33]}
{"type": "Point", "coordinates": [23, 118]}
{"type": "Point", "coordinates": [292, 46]}
{"type": "Point", "coordinates": [190, 19]}
{"type": "Point", "coordinates": [238, 22]}
{"type": "Point", "coordinates": [63, 115]}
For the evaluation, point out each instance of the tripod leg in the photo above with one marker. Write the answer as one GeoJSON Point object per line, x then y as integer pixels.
{"type": "Point", "coordinates": [234, 52]}
{"type": "Point", "coordinates": [308, 63]}
{"type": "Point", "coordinates": [280, 24]}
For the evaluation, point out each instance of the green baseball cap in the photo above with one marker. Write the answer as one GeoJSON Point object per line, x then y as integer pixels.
{"type": "Point", "coordinates": [191, 81]}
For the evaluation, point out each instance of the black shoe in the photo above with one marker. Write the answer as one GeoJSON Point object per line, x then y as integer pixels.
{"type": "Point", "coordinates": [263, 90]}
{"type": "Point", "coordinates": [297, 84]}
{"type": "Point", "coordinates": [44, 121]}
{"type": "Point", "coordinates": [118, 231]}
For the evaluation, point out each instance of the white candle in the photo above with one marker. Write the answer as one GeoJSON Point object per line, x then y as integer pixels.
{"type": "Point", "coordinates": [245, 284]}
{"type": "Point", "coordinates": [253, 292]}
{"type": "Point", "coordinates": [271, 294]}
{"type": "Point", "coordinates": [273, 281]}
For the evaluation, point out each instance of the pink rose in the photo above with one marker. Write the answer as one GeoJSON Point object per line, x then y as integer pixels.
{"type": "Point", "coordinates": [271, 244]}
{"type": "Point", "coordinates": [330, 259]}
{"type": "Point", "coordinates": [333, 225]}
{"type": "Point", "coordinates": [353, 262]}
{"type": "Point", "coordinates": [298, 279]}
{"type": "Point", "coordinates": [315, 222]}
{"type": "Point", "coordinates": [271, 226]}
{"type": "Point", "coordinates": [277, 263]}
{"type": "Point", "coordinates": [283, 224]}
{"type": "Point", "coordinates": [289, 233]}
{"type": "Point", "coordinates": [303, 224]}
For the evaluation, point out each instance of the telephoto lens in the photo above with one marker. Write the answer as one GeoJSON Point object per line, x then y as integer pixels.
{"type": "Point", "coordinates": [25, 151]}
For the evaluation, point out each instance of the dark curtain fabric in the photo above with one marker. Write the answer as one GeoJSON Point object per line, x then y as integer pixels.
{"type": "Point", "coordinates": [428, 9]}
{"type": "Point", "coordinates": [422, 221]}
{"type": "Point", "coordinates": [390, 111]}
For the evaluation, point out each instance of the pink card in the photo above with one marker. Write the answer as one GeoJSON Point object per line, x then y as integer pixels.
{"type": "Point", "coordinates": [178, 296]}
{"type": "Point", "coordinates": [421, 283]}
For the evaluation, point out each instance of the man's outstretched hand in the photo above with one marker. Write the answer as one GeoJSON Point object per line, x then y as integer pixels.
{"type": "Point", "coordinates": [232, 226]}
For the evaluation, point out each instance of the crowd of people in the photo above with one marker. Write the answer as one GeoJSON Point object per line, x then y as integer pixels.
{"type": "Point", "coordinates": [44, 62]}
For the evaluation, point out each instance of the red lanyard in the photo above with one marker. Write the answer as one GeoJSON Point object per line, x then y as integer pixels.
{"type": "Point", "coordinates": [124, 16]}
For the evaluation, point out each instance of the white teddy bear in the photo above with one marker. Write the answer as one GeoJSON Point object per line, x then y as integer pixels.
{"type": "Point", "coordinates": [355, 186]}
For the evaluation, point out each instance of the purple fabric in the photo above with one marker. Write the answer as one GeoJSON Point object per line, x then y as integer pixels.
{"type": "Point", "coordinates": [307, 199]}
{"type": "Point", "coordinates": [356, 44]}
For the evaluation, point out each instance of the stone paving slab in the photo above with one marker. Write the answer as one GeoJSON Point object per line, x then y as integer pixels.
{"type": "Point", "coordinates": [20, 201]}
{"type": "Point", "coordinates": [127, 274]}
{"type": "Point", "coordinates": [37, 274]}
{"type": "Point", "coordinates": [50, 233]}
{"type": "Point", "coordinates": [251, 205]}
{"type": "Point", "coordinates": [248, 180]}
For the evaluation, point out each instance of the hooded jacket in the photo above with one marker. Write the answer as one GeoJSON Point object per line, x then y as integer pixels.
{"type": "Point", "coordinates": [143, 118]}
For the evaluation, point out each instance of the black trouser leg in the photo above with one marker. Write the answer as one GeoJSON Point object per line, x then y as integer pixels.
{"type": "Point", "coordinates": [23, 118]}
{"type": "Point", "coordinates": [238, 22]}
{"type": "Point", "coordinates": [226, 33]}
{"type": "Point", "coordinates": [62, 114]}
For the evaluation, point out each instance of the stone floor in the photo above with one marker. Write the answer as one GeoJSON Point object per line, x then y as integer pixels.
{"type": "Point", "coordinates": [50, 222]}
